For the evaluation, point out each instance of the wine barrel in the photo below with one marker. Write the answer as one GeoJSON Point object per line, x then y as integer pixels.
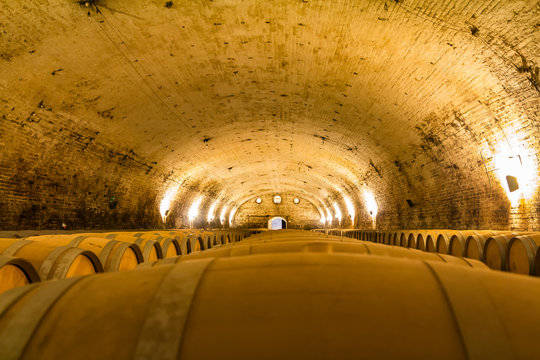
{"type": "Point", "coordinates": [50, 261]}
{"type": "Point", "coordinates": [267, 306]}
{"type": "Point", "coordinates": [192, 243]}
{"type": "Point", "coordinates": [411, 239]}
{"type": "Point", "coordinates": [113, 255]}
{"type": "Point", "coordinates": [443, 241]}
{"type": "Point", "coordinates": [298, 235]}
{"type": "Point", "coordinates": [15, 272]}
{"type": "Point", "coordinates": [225, 237]}
{"type": "Point", "coordinates": [474, 244]}
{"type": "Point", "coordinates": [401, 238]}
{"type": "Point", "coordinates": [431, 240]}
{"type": "Point", "coordinates": [456, 246]}
{"type": "Point", "coordinates": [495, 250]}
{"type": "Point", "coordinates": [522, 256]}
{"type": "Point", "coordinates": [150, 249]}
{"type": "Point", "coordinates": [220, 240]}
{"type": "Point", "coordinates": [393, 238]}
{"type": "Point", "coordinates": [246, 248]}
{"type": "Point", "coordinates": [170, 247]}
{"type": "Point", "coordinates": [208, 239]}
{"type": "Point", "coordinates": [421, 240]}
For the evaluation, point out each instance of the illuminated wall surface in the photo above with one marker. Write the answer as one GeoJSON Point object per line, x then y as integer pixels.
{"type": "Point", "coordinates": [396, 114]}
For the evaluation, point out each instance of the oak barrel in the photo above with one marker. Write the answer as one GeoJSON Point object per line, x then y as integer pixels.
{"type": "Point", "coordinates": [51, 261]}
{"type": "Point", "coordinates": [270, 307]}
{"type": "Point", "coordinates": [15, 272]}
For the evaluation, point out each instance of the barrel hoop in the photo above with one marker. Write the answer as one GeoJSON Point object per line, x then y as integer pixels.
{"type": "Point", "coordinates": [13, 248]}
{"type": "Point", "coordinates": [24, 265]}
{"type": "Point", "coordinates": [62, 264]}
{"type": "Point", "coordinates": [19, 330]}
{"type": "Point", "coordinates": [146, 250]}
{"type": "Point", "coordinates": [162, 332]}
{"type": "Point", "coordinates": [138, 241]}
{"type": "Point", "coordinates": [467, 262]}
{"type": "Point", "coordinates": [367, 248]}
{"type": "Point", "coordinates": [177, 246]}
{"type": "Point", "coordinates": [77, 241]}
{"type": "Point", "coordinates": [441, 257]}
{"type": "Point", "coordinates": [138, 234]}
{"type": "Point", "coordinates": [45, 269]}
{"type": "Point", "coordinates": [165, 243]}
{"type": "Point", "coordinates": [112, 263]}
{"type": "Point", "coordinates": [111, 236]}
{"type": "Point", "coordinates": [481, 331]}
{"type": "Point", "coordinates": [104, 254]}
{"type": "Point", "coordinates": [172, 260]}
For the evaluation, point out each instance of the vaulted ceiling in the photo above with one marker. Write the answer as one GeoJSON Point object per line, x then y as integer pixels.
{"type": "Point", "coordinates": [232, 99]}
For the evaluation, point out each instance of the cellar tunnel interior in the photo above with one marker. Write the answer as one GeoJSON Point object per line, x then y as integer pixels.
{"type": "Point", "coordinates": [357, 114]}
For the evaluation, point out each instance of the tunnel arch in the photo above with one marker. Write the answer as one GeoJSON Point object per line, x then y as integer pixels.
{"type": "Point", "coordinates": [277, 223]}
{"type": "Point", "coordinates": [414, 101]}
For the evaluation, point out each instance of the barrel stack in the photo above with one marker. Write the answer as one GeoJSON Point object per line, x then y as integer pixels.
{"type": "Point", "coordinates": [51, 257]}
{"type": "Point", "coordinates": [281, 294]}
{"type": "Point", "coordinates": [516, 252]}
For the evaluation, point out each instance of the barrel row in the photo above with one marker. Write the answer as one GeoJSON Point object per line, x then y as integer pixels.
{"type": "Point", "coordinates": [46, 257]}
{"type": "Point", "coordinates": [295, 241]}
{"type": "Point", "coordinates": [517, 252]}
{"type": "Point", "coordinates": [306, 304]}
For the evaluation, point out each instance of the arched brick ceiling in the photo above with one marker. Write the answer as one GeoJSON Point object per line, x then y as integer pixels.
{"type": "Point", "coordinates": [233, 98]}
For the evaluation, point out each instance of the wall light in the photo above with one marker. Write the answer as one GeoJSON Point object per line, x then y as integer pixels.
{"type": "Point", "coordinates": [371, 204]}
{"type": "Point", "coordinates": [258, 200]}
{"type": "Point", "coordinates": [328, 215]}
{"type": "Point", "coordinates": [516, 169]}
{"type": "Point", "coordinates": [321, 213]}
{"type": "Point", "coordinates": [194, 209]}
{"type": "Point", "coordinates": [165, 204]}
{"type": "Point", "coordinates": [350, 207]}
{"type": "Point", "coordinates": [222, 215]}
{"type": "Point", "coordinates": [231, 215]}
{"type": "Point", "coordinates": [296, 201]}
{"type": "Point", "coordinates": [338, 211]}
{"type": "Point", "coordinates": [212, 211]}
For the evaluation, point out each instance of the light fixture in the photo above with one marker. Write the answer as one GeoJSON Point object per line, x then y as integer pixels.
{"type": "Point", "coordinates": [296, 201]}
{"type": "Point", "coordinates": [194, 209]}
{"type": "Point", "coordinates": [512, 183]}
{"type": "Point", "coordinates": [277, 199]}
{"type": "Point", "coordinates": [338, 211]}
{"type": "Point", "coordinates": [222, 215]}
{"type": "Point", "coordinates": [258, 200]}
{"type": "Point", "coordinates": [350, 207]}
{"type": "Point", "coordinates": [212, 211]}
{"type": "Point", "coordinates": [165, 204]}
{"type": "Point", "coordinates": [231, 215]}
{"type": "Point", "coordinates": [371, 204]}
{"type": "Point", "coordinates": [515, 162]}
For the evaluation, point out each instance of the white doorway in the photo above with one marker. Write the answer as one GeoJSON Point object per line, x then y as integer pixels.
{"type": "Point", "coordinates": [277, 223]}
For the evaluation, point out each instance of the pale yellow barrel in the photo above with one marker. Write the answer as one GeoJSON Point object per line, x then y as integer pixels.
{"type": "Point", "coordinates": [150, 249]}
{"type": "Point", "coordinates": [292, 245]}
{"type": "Point", "coordinates": [52, 261]}
{"type": "Point", "coordinates": [15, 272]}
{"type": "Point", "coordinates": [246, 306]}
{"type": "Point", "coordinates": [431, 239]}
{"type": "Point", "coordinates": [495, 251]}
{"type": "Point", "coordinates": [522, 256]}
{"type": "Point", "coordinates": [114, 255]}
